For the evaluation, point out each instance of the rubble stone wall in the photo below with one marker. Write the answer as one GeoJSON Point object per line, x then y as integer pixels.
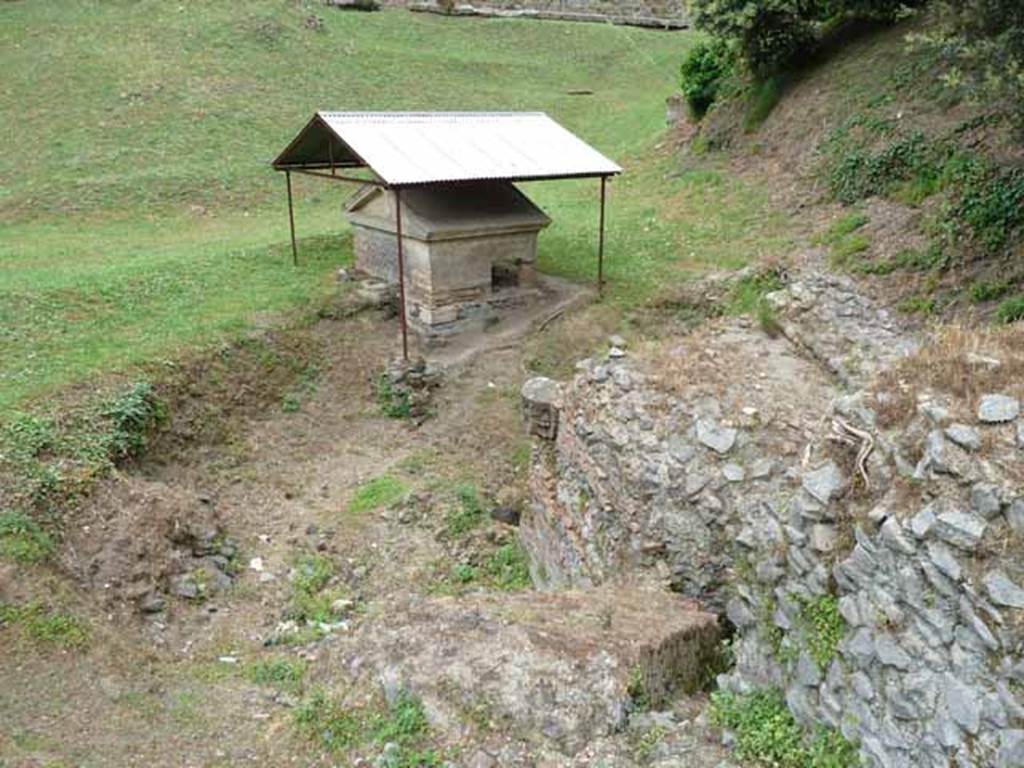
{"type": "Point", "coordinates": [884, 599]}
{"type": "Point", "coordinates": [648, 13]}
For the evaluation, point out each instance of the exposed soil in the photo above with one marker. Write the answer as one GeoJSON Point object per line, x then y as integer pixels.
{"type": "Point", "coordinates": [172, 687]}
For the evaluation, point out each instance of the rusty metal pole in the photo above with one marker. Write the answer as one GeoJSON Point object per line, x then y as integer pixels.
{"type": "Point", "coordinates": [401, 274]}
{"type": "Point", "coordinates": [600, 240]}
{"type": "Point", "coordinates": [291, 218]}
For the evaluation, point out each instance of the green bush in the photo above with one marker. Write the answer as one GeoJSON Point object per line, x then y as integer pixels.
{"type": "Point", "coordinates": [704, 68]}
{"type": "Point", "coordinates": [988, 206]}
{"type": "Point", "coordinates": [766, 34]}
{"type": "Point", "coordinates": [981, 46]}
{"type": "Point", "coordinates": [131, 415]}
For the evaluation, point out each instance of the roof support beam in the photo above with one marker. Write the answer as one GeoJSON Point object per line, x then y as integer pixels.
{"type": "Point", "coordinates": [291, 218]}
{"type": "Point", "coordinates": [600, 240]}
{"type": "Point", "coordinates": [401, 274]}
{"type": "Point", "coordinates": [336, 177]}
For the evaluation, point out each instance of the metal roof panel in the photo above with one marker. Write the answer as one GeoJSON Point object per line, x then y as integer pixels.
{"type": "Point", "coordinates": [407, 148]}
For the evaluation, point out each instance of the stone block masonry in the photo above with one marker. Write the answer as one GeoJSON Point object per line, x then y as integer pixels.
{"type": "Point", "coordinates": [664, 14]}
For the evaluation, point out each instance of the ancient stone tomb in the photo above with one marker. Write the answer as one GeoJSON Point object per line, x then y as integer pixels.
{"type": "Point", "coordinates": [466, 246]}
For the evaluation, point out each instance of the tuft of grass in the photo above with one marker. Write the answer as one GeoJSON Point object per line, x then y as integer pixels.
{"type": "Point", "coordinates": [767, 733]}
{"type": "Point", "coordinates": [636, 688]}
{"type": "Point", "coordinates": [748, 294]}
{"type": "Point", "coordinates": [466, 514]}
{"type": "Point", "coordinates": [508, 568]}
{"type": "Point", "coordinates": [983, 290]}
{"type": "Point", "coordinates": [327, 722]}
{"type": "Point", "coordinates": [312, 601]}
{"type": "Point", "coordinates": [843, 252]}
{"type": "Point", "coordinates": [1011, 310]}
{"type": "Point", "coordinates": [394, 402]}
{"type": "Point", "coordinates": [403, 728]}
{"type": "Point", "coordinates": [379, 493]}
{"type": "Point", "coordinates": [762, 99]}
{"type": "Point", "coordinates": [843, 226]}
{"type": "Point", "coordinates": [917, 305]}
{"type": "Point", "coordinates": [45, 625]}
{"type": "Point", "coordinates": [23, 540]}
{"type": "Point", "coordinates": [283, 673]}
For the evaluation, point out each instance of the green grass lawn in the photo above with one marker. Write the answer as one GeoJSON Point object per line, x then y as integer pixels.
{"type": "Point", "coordinates": [138, 214]}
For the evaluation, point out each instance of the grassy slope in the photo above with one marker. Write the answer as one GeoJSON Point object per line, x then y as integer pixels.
{"type": "Point", "coordinates": [138, 216]}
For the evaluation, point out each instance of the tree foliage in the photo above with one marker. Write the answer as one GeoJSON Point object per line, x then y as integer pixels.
{"type": "Point", "coordinates": [982, 45]}
{"type": "Point", "coordinates": [767, 35]}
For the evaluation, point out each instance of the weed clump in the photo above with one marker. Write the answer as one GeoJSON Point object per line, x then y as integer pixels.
{"type": "Point", "coordinates": [466, 514]}
{"type": "Point", "coordinates": [823, 628]}
{"type": "Point", "coordinates": [1011, 310]}
{"type": "Point", "coordinates": [312, 600]}
{"type": "Point", "coordinates": [402, 730]}
{"type": "Point", "coordinates": [45, 625]}
{"type": "Point", "coordinates": [379, 493]}
{"type": "Point", "coordinates": [283, 673]}
{"type": "Point", "coordinates": [767, 733]}
{"type": "Point", "coordinates": [22, 539]}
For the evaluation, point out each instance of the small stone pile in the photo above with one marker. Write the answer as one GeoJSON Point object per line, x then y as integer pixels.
{"type": "Point", "coordinates": [404, 389]}
{"type": "Point", "coordinates": [207, 563]}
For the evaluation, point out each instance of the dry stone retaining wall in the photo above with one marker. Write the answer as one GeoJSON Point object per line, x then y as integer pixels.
{"type": "Point", "coordinates": [669, 14]}
{"type": "Point", "coordinates": [891, 610]}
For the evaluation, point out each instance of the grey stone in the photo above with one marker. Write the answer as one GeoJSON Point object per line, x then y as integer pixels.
{"type": "Point", "coordinates": [823, 537]}
{"type": "Point", "coordinates": [824, 482]}
{"type": "Point", "coordinates": [1003, 591]}
{"type": "Point", "coordinates": [996, 409]}
{"type": "Point", "coordinates": [960, 529]}
{"type": "Point", "coordinates": [943, 559]}
{"type": "Point", "coordinates": [993, 712]}
{"type": "Point", "coordinates": [681, 449]}
{"type": "Point", "coordinates": [922, 523]}
{"type": "Point", "coordinates": [152, 602]}
{"type": "Point", "coordinates": [890, 653]}
{"type": "Point", "coordinates": [733, 473]}
{"type": "Point", "coordinates": [739, 613]}
{"type": "Point", "coordinates": [616, 353]}
{"type": "Point", "coordinates": [761, 469]}
{"type": "Point", "coordinates": [1020, 435]}
{"type": "Point", "coordinates": [861, 647]}
{"type": "Point", "coordinates": [1015, 516]}
{"type": "Point", "coordinates": [481, 759]}
{"type": "Point", "coordinates": [985, 500]}
{"type": "Point", "coordinates": [976, 625]}
{"type": "Point", "coordinates": [184, 585]}
{"type": "Point", "coordinates": [716, 437]}
{"type": "Point", "coordinates": [962, 704]}
{"type": "Point", "coordinates": [862, 686]}
{"type": "Point", "coordinates": [892, 534]}
{"type": "Point", "coordinates": [615, 340]}
{"type": "Point", "coordinates": [1011, 749]}
{"type": "Point", "coordinates": [965, 436]}
{"type": "Point", "coordinates": [807, 671]}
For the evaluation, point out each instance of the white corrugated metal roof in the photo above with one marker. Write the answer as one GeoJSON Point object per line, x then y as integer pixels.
{"type": "Point", "coordinates": [428, 147]}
